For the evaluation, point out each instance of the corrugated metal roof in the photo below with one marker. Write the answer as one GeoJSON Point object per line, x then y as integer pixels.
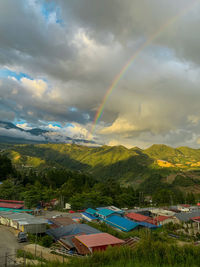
{"type": "Point", "coordinates": [105, 212]}
{"type": "Point", "coordinates": [11, 205]}
{"type": "Point", "coordinates": [15, 210]}
{"type": "Point", "coordinates": [113, 208]}
{"type": "Point", "coordinates": [12, 201]}
{"type": "Point", "coordinates": [186, 216]}
{"type": "Point", "coordinates": [67, 241]}
{"type": "Point", "coordinates": [197, 218]}
{"type": "Point", "coordinates": [91, 211]}
{"type": "Point", "coordinates": [162, 218]}
{"type": "Point", "coordinates": [70, 230]}
{"type": "Point", "coordinates": [151, 221]}
{"type": "Point", "coordinates": [22, 217]}
{"type": "Point", "coordinates": [137, 217]}
{"type": "Point", "coordinates": [97, 240]}
{"type": "Point", "coordinates": [87, 215]}
{"type": "Point", "coordinates": [61, 221]}
{"type": "Point", "coordinates": [121, 223]}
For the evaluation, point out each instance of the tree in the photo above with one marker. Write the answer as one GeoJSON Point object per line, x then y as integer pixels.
{"type": "Point", "coordinates": [8, 190]}
{"type": "Point", "coordinates": [190, 198]}
{"type": "Point", "coordinates": [92, 200]}
{"type": "Point", "coordinates": [163, 196]}
{"type": "Point", "coordinates": [6, 168]}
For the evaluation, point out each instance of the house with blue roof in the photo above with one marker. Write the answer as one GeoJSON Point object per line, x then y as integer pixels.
{"type": "Point", "coordinates": [113, 208]}
{"type": "Point", "coordinates": [105, 213]}
{"type": "Point", "coordinates": [147, 225]}
{"type": "Point", "coordinates": [88, 217]}
{"type": "Point", "coordinates": [121, 223]}
{"type": "Point", "coordinates": [91, 211]}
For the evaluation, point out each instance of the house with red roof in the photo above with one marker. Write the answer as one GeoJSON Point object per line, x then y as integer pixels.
{"type": "Point", "coordinates": [11, 204]}
{"type": "Point", "coordinates": [87, 244]}
{"type": "Point", "coordinates": [161, 220]}
{"type": "Point", "coordinates": [196, 221]}
{"type": "Point", "coordinates": [137, 217]}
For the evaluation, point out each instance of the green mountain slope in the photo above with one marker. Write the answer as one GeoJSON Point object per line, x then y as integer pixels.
{"type": "Point", "coordinates": [129, 166]}
{"type": "Point", "coordinates": [163, 152]}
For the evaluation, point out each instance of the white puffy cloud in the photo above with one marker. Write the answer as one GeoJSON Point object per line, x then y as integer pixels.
{"type": "Point", "coordinates": [36, 87]}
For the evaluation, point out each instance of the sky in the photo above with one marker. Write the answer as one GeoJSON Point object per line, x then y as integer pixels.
{"type": "Point", "coordinates": [59, 58]}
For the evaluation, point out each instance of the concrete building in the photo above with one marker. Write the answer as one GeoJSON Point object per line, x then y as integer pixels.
{"type": "Point", "coordinates": [162, 212]}
{"type": "Point", "coordinates": [161, 220]}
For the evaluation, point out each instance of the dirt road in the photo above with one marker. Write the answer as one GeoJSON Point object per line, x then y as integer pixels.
{"type": "Point", "coordinates": [8, 243]}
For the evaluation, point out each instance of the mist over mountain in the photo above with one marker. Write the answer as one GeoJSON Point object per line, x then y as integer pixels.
{"type": "Point", "coordinates": [12, 134]}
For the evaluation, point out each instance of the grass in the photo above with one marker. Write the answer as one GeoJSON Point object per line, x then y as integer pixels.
{"type": "Point", "coordinates": [148, 255]}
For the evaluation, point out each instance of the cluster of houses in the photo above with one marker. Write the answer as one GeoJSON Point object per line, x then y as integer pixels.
{"type": "Point", "coordinates": [179, 214]}
{"type": "Point", "coordinates": [76, 236]}
{"type": "Point", "coordinates": [83, 239]}
{"type": "Point", "coordinates": [118, 219]}
{"type": "Point", "coordinates": [80, 238]}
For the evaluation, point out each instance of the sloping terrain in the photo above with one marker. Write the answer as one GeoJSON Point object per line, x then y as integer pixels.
{"type": "Point", "coordinates": [158, 164]}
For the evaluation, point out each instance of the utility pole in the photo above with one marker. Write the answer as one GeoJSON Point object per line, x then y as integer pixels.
{"type": "Point", "coordinates": [36, 241]}
{"type": "Point", "coordinates": [24, 259]}
{"type": "Point", "coordinates": [6, 259]}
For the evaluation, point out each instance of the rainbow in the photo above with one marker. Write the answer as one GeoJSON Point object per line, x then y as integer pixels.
{"type": "Point", "coordinates": [116, 80]}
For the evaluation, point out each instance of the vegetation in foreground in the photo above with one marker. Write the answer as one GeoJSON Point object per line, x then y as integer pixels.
{"type": "Point", "coordinates": [146, 253]}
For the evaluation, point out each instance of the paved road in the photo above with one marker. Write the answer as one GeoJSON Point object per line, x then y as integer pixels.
{"type": "Point", "coordinates": [8, 243]}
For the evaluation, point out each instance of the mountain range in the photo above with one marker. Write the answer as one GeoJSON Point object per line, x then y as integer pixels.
{"type": "Point", "coordinates": [12, 134]}
{"type": "Point", "coordinates": [158, 166]}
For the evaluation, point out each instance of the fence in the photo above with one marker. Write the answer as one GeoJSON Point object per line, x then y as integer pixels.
{"type": "Point", "coordinates": [11, 260]}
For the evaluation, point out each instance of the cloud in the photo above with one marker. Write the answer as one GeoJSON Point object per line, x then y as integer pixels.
{"type": "Point", "coordinates": [53, 127]}
{"type": "Point", "coordinates": [24, 126]}
{"type": "Point", "coordinates": [119, 126]}
{"type": "Point", "coordinates": [15, 133]}
{"type": "Point", "coordinates": [36, 87]}
{"type": "Point", "coordinates": [66, 56]}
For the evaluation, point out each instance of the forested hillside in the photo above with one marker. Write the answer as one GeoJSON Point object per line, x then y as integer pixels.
{"type": "Point", "coordinates": [155, 167]}
{"type": "Point", "coordinates": [90, 175]}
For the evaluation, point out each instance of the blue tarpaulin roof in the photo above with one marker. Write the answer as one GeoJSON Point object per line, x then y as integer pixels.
{"type": "Point", "coordinates": [121, 223]}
